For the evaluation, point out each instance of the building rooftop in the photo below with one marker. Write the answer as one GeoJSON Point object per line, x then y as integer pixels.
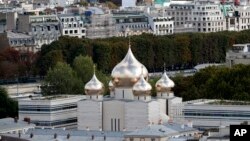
{"type": "Point", "coordinates": [55, 97]}
{"type": "Point", "coordinates": [216, 102]}
{"type": "Point", "coordinates": [79, 135]}
{"type": "Point", "coordinates": [9, 124]}
{"type": "Point", "coordinates": [169, 129]}
{"type": "Point", "coordinates": [75, 135]}
{"type": "Point", "coordinates": [15, 35]}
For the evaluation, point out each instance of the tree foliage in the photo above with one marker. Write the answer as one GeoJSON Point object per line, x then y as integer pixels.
{"type": "Point", "coordinates": [64, 79]}
{"type": "Point", "coordinates": [8, 107]}
{"type": "Point", "coordinates": [16, 64]}
{"type": "Point", "coordinates": [61, 79]}
{"type": "Point", "coordinates": [216, 83]}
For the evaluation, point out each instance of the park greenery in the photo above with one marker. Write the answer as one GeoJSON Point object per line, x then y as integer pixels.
{"type": "Point", "coordinates": [8, 107]}
{"type": "Point", "coordinates": [64, 79]}
{"type": "Point", "coordinates": [216, 83]}
{"type": "Point", "coordinates": [178, 51]}
{"type": "Point", "coordinates": [67, 64]}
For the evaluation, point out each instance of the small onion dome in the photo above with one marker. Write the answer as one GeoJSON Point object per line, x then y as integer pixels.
{"type": "Point", "coordinates": [94, 86]}
{"type": "Point", "coordinates": [142, 87]}
{"type": "Point", "coordinates": [164, 83]}
{"type": "Point", "coordinates": [128, 71]}
{"type": "Point", "coordinates": [111, 86]}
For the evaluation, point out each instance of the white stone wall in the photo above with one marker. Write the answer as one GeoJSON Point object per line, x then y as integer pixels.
{"type": "Point", "coordinates": [136, 115]}
{"type": "Point", "coordinates": [113, 112]}
{"type": "Point", "coordinates": [89, 114]}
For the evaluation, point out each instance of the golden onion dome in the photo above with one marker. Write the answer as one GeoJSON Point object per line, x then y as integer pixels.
{"type": "Point", "coordinates": [94, 86]}
{"type": "Point", "coordinates": [164, 83]}
{"type": "Point", "coordinates": [142, 87]}
{"type": "Point", "coordinates": [128, 70]}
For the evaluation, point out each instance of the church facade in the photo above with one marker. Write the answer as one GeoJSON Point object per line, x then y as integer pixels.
{"type": "Point", "coordinates": [129, 106]}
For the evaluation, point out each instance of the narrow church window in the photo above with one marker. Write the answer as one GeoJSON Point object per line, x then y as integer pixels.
{"type": "Point", "coordinates": [118, 124]}
{"type": "Point", "coordinates": [115, 124]}
{"type": "Point", "coordinates": [111, 124]}
{"type": "Point", "coordinates": [123, 94]}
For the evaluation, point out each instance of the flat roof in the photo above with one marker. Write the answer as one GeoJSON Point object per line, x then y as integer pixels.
{"type": "Point", "coordinates": [8, 124]}
{"type": "Point", "coordinates": [168, 129]}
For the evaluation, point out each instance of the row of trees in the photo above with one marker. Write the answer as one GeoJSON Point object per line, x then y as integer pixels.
{"type": "Point", "coordinates": [178, 51]}
{"type": "Point", "coordinates": [216, 83]}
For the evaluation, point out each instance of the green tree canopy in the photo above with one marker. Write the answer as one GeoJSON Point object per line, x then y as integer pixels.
{"type": "Point", "coordinates": [8, 107]}
{"type": "Point", "coordinates": [62, 79]}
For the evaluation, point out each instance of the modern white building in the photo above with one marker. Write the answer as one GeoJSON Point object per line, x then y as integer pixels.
{"type": "Point", "coordinates": [240, 54]}
{"type": "Point", "coordinates": [130, 105]}
{"type": "Point", "coordinates": [206, 113]}
{"type": "Point", "coordinates": [51, 111]}
{"type": "Point", "coordinates": [73, 25]}
{"type": "Point", "coordinates": [161, 25]}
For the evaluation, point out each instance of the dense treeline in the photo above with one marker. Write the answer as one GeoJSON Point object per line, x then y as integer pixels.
{"type": "Point", "coordinates": [216, 83]}
{"type": "Point", "coordinates": [8, 107]}
{"type": "Point", "coordinates": [178, 51]}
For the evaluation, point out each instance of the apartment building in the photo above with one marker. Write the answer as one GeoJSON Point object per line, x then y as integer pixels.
{"type": "Point", "coordinates": [21, 42]}
{"type": "Point", "coordinates": [101, 24]}
{"type": "Point", "coordinates": [200, 16]}
{"type": "Point", "coordinates": [43, 28]}
{"type": "Point", "coordinates": [131, 23]}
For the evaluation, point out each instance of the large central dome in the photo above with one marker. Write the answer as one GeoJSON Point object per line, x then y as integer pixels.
{"type": "Point", "coordinates": [128, 69]}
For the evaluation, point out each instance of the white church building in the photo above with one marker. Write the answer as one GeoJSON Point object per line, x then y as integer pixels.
{"type": "Point", "coordinates": [129, 106]}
